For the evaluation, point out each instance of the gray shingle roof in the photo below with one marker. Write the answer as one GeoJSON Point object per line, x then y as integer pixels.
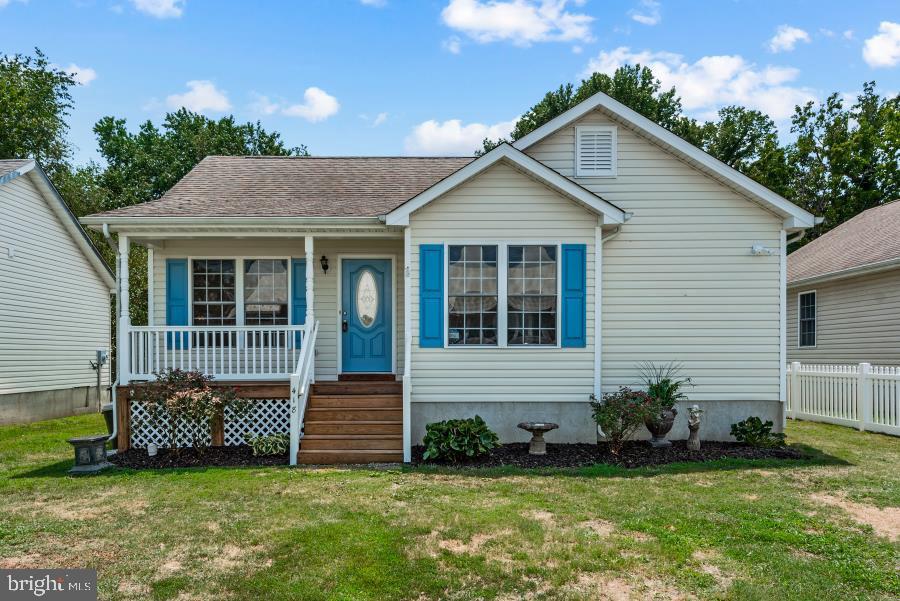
{"type": "Point", "coordinates": [9, 165]}
{"type": "Point", "coordinates": [225, 186]}
{"type": "Point", "coordinates": [873, 236]}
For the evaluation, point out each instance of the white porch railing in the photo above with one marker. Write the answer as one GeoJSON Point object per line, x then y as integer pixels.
{"type": "Point", "coordinates": [861, 396]}
{"type": "Point", "coordinates": [301, 380]}
{"type": "Point", "coordinates": [224, 352]}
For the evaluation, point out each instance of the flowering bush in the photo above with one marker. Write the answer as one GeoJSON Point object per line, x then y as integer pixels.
{"type": "Point", "coordinates": [620, 413]}
{"type": "Point", "coordinates": [185, 400]}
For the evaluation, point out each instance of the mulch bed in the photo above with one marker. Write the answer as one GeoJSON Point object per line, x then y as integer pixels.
{"type": "Point", "coordinates": [241, 456]}
{"type": "Point", "coordinates": [634, 454]}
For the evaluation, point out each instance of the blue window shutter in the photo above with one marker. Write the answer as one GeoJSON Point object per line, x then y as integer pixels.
{"type": "Point", "coordinates": [574, 292]}
{"type": "Point", "coordinates": [298, 294]}
{"type": "Point", "coordinates": [431, 295]}
{"type": "Point", "coordinates": [176, 299]}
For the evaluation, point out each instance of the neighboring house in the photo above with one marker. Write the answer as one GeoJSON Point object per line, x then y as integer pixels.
{"type": "Point", "coordinates": [513, 285]}
{"type": "Point", "coordinates": [54, 302]}
{"type": "Point", "coordinates": [846, 284]}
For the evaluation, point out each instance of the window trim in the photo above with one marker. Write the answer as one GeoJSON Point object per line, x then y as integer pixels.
{"type": "Point", "coordinates": [502, 296]}
{"type": "Point", "coordinates": [614, 170]}
{"type": "Point", "coordinates": [815, 320]}
{"type": "Point", "coordinates": [238, 283]}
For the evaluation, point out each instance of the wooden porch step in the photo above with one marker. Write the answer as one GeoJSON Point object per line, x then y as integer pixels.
{"type": "Point", "coordinates": [353, 414]}
{"type": "Point", "coordinates": [352, 427]}
{"type": "Point", "coordinates": [341, 456]}
{"type": "Point", "coordinates": [381, 401]}
{"type": "Point", "coordinates": [351, 442]}
{"type": "Point", "coordinates": [367, 378]}
{"type": "Point", "coordinates": [357, 388]}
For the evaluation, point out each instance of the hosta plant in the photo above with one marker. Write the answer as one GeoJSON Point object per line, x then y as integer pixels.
{"type": "Point", "coordinates": [757, 433]}
{"type": "Point", "coordinates": [268, 444]}
{"type": "Point", "coordinates": [458, 439]}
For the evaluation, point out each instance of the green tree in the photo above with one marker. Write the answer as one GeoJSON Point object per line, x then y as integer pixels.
{"type": "Point", "coordinates": [845, 160]}
{"type": "Point", "coordinates": [35, 100]}
{"type": "Point", "coordinates": [143, 165]}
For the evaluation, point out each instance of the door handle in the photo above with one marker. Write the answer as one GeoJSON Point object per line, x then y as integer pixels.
{"type": "Point", "coordinates": [344, 326]}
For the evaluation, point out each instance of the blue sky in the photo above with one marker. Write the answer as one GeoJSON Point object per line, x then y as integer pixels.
{"type": "Point", "coordinates": [391, 77]}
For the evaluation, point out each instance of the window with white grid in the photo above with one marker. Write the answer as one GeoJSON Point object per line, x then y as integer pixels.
{"type": "Point", "coordinates": [531, 294]}
{"type": "Point", "coordinates": [265, 292]}
{"type": "Point", "coordinates": [472, 295]}
{"type": "Point", "coordinates": [213, 302]}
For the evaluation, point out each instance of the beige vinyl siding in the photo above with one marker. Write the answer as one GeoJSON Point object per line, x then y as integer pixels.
{"type": "Point", "coordinates": [502, 205]}
{"type": "Point", "coordinates": [679, 282]}
{"type": "Point", "coordinates": [856, 320]}
{"type": "Point", "coordinates": [325, 285]}
{"type": "Point", "coordinates": [54, 307]}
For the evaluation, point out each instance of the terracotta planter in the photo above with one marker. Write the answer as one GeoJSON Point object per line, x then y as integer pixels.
{"type": "Point", "coordinates": [659, 426]}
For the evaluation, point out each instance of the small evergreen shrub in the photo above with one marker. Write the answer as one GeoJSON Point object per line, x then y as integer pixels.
{"type": "Point", "coordinates": [458, 439]}
{"type": "Point", "coordinates": [620, 413]}
{"type": "Point", "coordinates": [270, 444]}
{"type": "Point", "coordinates": [754, 432]}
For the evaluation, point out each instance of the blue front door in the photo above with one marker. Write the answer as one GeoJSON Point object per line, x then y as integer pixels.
{"type": "Point", "coordinates": [366, 329]}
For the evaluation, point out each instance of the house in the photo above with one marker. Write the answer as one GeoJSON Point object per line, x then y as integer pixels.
{"type": "Point", "coordinates": [513, 285]}
{"type": "Point", "coordinates": [844, 292]}
{"type": "Point", "coordinates": [54, 302]}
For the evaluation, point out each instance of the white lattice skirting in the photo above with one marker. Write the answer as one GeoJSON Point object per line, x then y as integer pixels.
{"type": "Point", "coordinates": [266, 416]}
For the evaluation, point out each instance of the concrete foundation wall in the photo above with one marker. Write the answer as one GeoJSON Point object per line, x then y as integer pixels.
{"type": "Point", "coordinates": [577, 425]}
{"type": "Point", "coordinates": [24, 407]}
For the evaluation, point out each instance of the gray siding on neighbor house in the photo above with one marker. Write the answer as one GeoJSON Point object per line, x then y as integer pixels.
{"type": "Point", "coordinates": [679, 281]}
{"type": "Point", "coordinates": [857, 320]}
{"type": "Point", "coordinates": [54, 307]}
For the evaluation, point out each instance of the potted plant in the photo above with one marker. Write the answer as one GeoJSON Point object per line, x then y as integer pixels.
{"type": "Point", "coordinates": [664, 386]}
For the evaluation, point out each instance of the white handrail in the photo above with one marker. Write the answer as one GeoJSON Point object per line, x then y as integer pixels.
{"type": "Point", "coordinates": [301, 379]}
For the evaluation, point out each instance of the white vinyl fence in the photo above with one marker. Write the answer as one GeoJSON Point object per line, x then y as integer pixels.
{"type": "Point", "coordinates": [861, 396]}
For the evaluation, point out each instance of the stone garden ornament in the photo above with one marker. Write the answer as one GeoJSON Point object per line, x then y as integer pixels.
{"type": "Point", "coordinates": [664, 386]}
{"type": "Point", "coordinates": [694, 414]}
{"type": "Point", "coordinates": [538, 446]}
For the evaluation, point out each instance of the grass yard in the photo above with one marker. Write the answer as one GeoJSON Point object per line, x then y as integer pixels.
{"type": "Point", "coordinates": [818, 529]}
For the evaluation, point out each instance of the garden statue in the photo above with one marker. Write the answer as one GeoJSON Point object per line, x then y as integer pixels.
{"type": "Point", "coordinates": [694, 414]}
{"type": "Point", "coordinates": [664, 386]}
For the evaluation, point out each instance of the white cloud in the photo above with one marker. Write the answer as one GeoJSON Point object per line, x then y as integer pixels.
{"type": "Point", "coordinates": [262, 105]}
{"type": "Point", "coordinates": [452, 137]}
{"type": "Point", "coordinates": [375, 3]}
{"type": "Point", "coordinates": [5, 3]}
{"type": "Point", "coordinates": [648, 13]}
{"type": "Point", "coordinates": [786, 37]}
{"type": "Point", "coordinates": [317, 105]}
{"type": "Point", "coordinates": [521, 22]}
{"type": "Point", "coordinates": [883, 49]}
{"type": "Point", "coordinates": [202, 95]}
{"type": "Point", "coordinates": [714, 81]}
{"type": "Point", "coordinates": [826, 32]}
{"type": "Point", "coordinates": [848, 34]}
{"type": "Point", "coordinates": [453, 45]}
{"type": "Point", "coordinates": [82, 75]}
{"type": "Point", "coordinates": [379, 119]}
{"type": "Point", "coordinates": [161, 9]}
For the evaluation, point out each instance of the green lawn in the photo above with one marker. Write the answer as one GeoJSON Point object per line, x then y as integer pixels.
{"type": "Point", "coordinates": [816, 529]}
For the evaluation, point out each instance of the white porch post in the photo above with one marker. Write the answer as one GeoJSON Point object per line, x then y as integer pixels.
{"type": "Point", "coordinates": [150, 287]}
{"type": "Point", "coordinates": [123, 346]}
{"type": "Point", "coordinates": [310, 277]}
{"type": "Point", "coordinates": [407, 343]}
{"type": "Point", "coordinates": [782, 328]}
{"type": "Point", "coordinates": [598, 311]}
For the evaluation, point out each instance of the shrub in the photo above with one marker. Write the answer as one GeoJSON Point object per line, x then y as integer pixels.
{"type": "Point", "coordinates": [184, 399]}
{"type": "Point", "coordinates": [757, 433]}
{"type": "Point", "coordinates": [271, 444]}
{"type": "Point", "coordinates": [620, 413]}
{"type": "Point", "coordinates": [458, 439]}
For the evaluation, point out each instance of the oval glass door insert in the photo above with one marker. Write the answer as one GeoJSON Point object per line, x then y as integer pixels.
{"type": "Point", "coordinates": [366, 298]}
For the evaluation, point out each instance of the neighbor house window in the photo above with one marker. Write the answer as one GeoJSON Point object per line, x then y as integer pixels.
{"type": "Point", "coordinates": [531, 294]}
{"type": "Point", "coordinates": [472, 295]}
{"type": "Point", "coordinates": [807, 313]}
{"type": "Point", "coordinates": [213, 299]}
{"type": "Point", "coordinates": [265, 292]}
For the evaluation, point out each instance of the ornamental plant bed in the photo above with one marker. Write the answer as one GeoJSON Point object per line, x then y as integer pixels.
{"type": "Point", "coordinates": [634, 454]}
{"type": "Point", "coordinates": [239, 456]}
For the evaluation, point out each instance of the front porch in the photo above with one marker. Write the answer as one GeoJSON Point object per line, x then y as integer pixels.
{"type": "Point", "coordinates": [251, 311]}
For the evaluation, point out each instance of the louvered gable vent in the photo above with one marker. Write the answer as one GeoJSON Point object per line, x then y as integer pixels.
{"type": "Point", "coordinates": [595, 154]}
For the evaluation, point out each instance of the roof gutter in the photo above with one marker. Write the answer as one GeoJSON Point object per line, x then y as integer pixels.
{"type": "Point", "coordinates": [848, 273]}
{"type": "Point", "coordinates": [100, 220]}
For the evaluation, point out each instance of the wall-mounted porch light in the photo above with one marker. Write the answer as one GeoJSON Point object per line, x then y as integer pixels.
{"type": "Point", "coordinates": [324, 262]}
